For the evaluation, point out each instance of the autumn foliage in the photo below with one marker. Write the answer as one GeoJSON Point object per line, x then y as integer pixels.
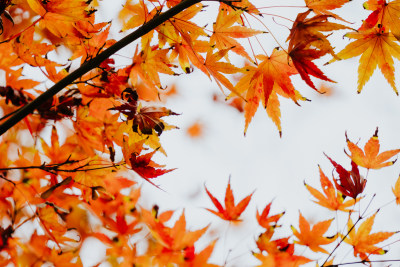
{"type": "Point", "coordinates": [72, 165]}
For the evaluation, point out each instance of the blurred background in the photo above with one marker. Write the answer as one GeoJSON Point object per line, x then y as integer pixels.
{"type": "Point", "coordinates": [210, 147]}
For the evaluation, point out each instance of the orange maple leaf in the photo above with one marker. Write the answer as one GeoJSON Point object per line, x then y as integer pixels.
{"type": "Point", "coordinates": [265, 220]}
{"type": "Point", "coordinates": [200, 259]}
{"type": "Point", "coordinates": [31, 51]}
{"type": "Point", "coordinates": [385, 14]}
{"type": "Point", "coordinates": [231, 212]}
{"type": "Point", "coordinates": [179, 27]}
{"type": "Point", "coordinates": [280, 251]}
{"type": "Point", "coordinates": [282, 260]}
{"type": "Point", "coordinates": [176, 238]}
{"type": "Point", "coordinates": [322, 7]}
{"type": "Point", "coordinates": [263, 82]}
{"type": "Point", "coordinates": [91, 47]}
{"type": "Point", "coordinates": [330, 198]}
{"type": "Point", "coordinates": [363, 242]}
{"type": "Point", "coordinates": [195, 130]}
{"type": "Point", "coordinates": [396, 191]}
{"type": "Point", "coordinates": [215, 68]}
{"type": "Point", "coordinates": [225, 34]}
{"type": "Point", "coordinates": [369, 158]}
{"type": "Point", "coordinates": [309, 30]}
{"type": "Point", "coordinates": [313, 238]}
{"type": "Point", "coordinates": [147, 64]}
{"type": "Point", "coordinates": [135, 15]}
{"type": "Point", "coordinates": [189, 51]}
{"type": "Point", "coordinates": [59, 16]}
{"type": "Point", "coordinates": [377, 48]}
{"type": "Point", "coordinates": [55, 152]}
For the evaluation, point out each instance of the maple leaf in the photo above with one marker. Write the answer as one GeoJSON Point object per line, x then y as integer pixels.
{"type": "Point", "coordinates": [37, 252]}
{"type": "Point", "coordinates": [201, 259]}
{"type": "Point", "coordinates": [8, 58]}
{"type": "Point", "coordinates": [350, 183]}
{"type": "Point", "coordinates": [189, 51]}
{"type": "Point", "coordinates": [195, 130]}
{"type": "Point", "coordinates": [308, 31]}
{"type": "Point", "coordinates": [363, 241]}
{"type": "Point", "coordinates": [145, 120]}
{"type": "Point", "coordinates": [215, 67]}
{"type": "Point", "coordinates": [147, 65]}
{"type": "Point", "coordinates": [313, 238]}
{"type": "Point", "coordinates": [55, 152]}
{"type": "Point", "coordinates": [302, 58]}
{"type": "Point", "coordinates": [265, 220]}
{"type": "Point", "coordinates": [231, 212]}
{"type": "Point", "coordinates": [275, 69]}
{"type": "Point", "coordinates": [148, 118]}
{"type": "Point", "coordinates": [120, 225]}
{"type": "Point", "coordinates": [322, 7]}
{"type": "Point", "coordinates": [224, 33]}
{"type": "Point", "coordinates": [262, 83]}
{"type": "Point", "coordinates": [330, 198]}
{"type": "Point", "coordinates": [396, 191]}
{"type": "Point", "coordinates": [90, 47]}
{"type": "Point", "coordinates": [89, 131]}
{"type": "Point", "coordinates": [283, 260]}
{"type": "Point", "coordinates": [145, 167]}
{"type": "Point", "coordinates": [33, 52]}
{"type": "Point", "coordinates": [15, 79]}
{"type": "Point", "coordinates": [176, 240]}
{"type": "Point", "coordinates": [369, 158]}
{"type": "Point", "coordinates": [179, 27]}
{"type": "Point", "coordinates": [59, 16]}
{"type": "Point", "coordinates": [280, 251]}
{"type": "Point", "coordinates": [385, 14]}
{"type": "Point", "coordinates": [135, 15]}
{"type": "Point", "coordinates": [378, 48]}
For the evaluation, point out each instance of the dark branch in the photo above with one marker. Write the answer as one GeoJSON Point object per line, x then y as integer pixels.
{"type": "Point", "coordinates": [358, 262]}
{"type": "Point", "coordinates": [54, 168]}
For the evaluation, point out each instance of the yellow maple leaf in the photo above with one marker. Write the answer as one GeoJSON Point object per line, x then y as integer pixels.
{"type": "Point", "coordinates": [225, 34]}
{"type": "Point", "coordinates": [59, 16]}
{"type": "Point", "coordinates": [369, 158]}
{"type": "Point", "coordinates": [396, 191]}
{"type": "Point", "coordinates": [377, 49]}
{"type": "Point", "coordinates": [363, 241]}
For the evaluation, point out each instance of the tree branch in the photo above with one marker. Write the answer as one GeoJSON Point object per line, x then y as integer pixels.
{"type": "Point", "coordinates": [93, 63]}
{"type": "Point", "coordinates": [360, 262]}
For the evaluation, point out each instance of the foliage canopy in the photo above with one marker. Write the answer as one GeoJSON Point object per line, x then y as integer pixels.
{"type": "Point", "coordinates": [104, 119]}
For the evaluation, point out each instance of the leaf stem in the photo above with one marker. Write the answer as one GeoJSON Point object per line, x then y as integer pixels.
{"type": "Point", "coordinates": [341, 241]}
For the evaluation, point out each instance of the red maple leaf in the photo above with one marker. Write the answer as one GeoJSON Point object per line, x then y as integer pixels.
{"type": "Point", "coordinates": [231, 212]}
{"type": "Point", "coordinates": [350, 183]}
